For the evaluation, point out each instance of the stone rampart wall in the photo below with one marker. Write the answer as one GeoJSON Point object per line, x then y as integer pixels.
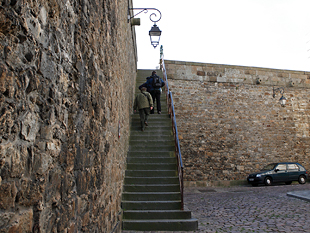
{"type": "Point", "coordinates": [229, 123]}
{"type": "Point", "coordinates": [66, 74]}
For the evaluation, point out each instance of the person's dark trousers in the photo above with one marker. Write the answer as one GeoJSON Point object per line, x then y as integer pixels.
{"type": "Point", "coordinates": [144, 113]}
{"type": "Point", "coordinates": [156, 98]}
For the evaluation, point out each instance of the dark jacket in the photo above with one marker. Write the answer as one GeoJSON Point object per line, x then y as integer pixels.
{"type": "Point", "coordinates": [149, 84]}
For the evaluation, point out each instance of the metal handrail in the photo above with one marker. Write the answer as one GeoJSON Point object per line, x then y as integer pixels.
{"type": "Point", "coordinates": [175, 130]}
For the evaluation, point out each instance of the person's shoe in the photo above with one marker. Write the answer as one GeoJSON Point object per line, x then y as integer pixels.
{"type": "Point", "coordinates": [142, 129]}
{"type": "Point", "coordinates": [159, 112]}
{"type": "Point", "coordinates": [146, 123]}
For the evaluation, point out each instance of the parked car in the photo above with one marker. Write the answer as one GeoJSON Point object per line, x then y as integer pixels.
{"type": "Point", "coordinates": [279, 172]}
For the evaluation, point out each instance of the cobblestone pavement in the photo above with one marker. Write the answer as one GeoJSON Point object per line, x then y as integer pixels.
{"type": "Point", "coordinates": [249, 209]}
{"type": "Point", "coordinates": [242, 209]}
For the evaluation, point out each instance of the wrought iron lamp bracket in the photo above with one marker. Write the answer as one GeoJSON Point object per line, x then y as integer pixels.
{"type": "Point", "coordinates": [145, 10]}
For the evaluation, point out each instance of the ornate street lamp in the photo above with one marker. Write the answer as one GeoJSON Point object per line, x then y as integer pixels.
{"type": "Point", "coordinates": [282, 100]}
{"type": "Point", "coordinates": [155, 32]}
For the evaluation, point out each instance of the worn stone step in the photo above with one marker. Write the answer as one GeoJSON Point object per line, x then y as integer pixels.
{"type": "Point", "coordinates": [146, 143]}
{"type": "Point", "coordinates": [157, 154]}
{"type": "Point", "coordinates": [156, 214]}
{"type": "Point", "coordinates": [150, 173]}
{"type": "Point", "coordinates": [151, 188]}
{"type": "Point", "coordinates": [153, 123]}
{"type": "Point", "coordinates": [153, 119]}
{"type": "Point", "coordinates": [147, 147]}
{"type": "Point", "coordinates": [153, 127]}
{"type": "Point", "coordinates": [147, 160]}
{"type": "Point", "coordinates": [149, 133]}
{"type": "Point", "coordinates": [151, 166]}
{"type": "Point", "coordinates": [143, 73]}
{"type": "Point", "coordinates": [151, 205]}
{"type": "Point", "coordinates": [154, 137]}
{"type": "Point", "coordinates": [160, 118]}
{"type": "Point", "coordinates": [161, 225]}
{"type": "Point", "coordinates": [164, 111]}
{"type": "Point", "coordinates": [152, 180]}
{"type": "Point", "coordinates": [151, 196]}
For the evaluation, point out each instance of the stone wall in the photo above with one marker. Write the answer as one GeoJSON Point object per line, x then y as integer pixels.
{"type": "Point", "coordinates": [66, 74]}
{"type": "Point", "coordinates": [229, 123]}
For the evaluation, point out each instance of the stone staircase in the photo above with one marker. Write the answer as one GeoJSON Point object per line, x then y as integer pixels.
{"type": "Point", "coordinates": [151, 198]}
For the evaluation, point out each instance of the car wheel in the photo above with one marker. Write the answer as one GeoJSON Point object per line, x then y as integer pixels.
{"type": "Point", "coordinates": [288, 182]}
{"type": "Point", "coordinates": [301, 179]}
{"type": "Point", "coordinates": [268, 181]}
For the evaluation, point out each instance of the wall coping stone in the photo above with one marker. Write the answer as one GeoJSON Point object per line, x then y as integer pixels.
{"type": "Point", "coordinates": [248, 75]}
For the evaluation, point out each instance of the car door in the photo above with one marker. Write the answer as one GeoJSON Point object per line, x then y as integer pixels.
{"type": "Point", "coordinates": [293, 171]}
{"type": "Point", "coordinates": [280, 173]}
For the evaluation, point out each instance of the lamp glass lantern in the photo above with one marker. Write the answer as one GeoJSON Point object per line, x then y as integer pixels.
{"type": "Point", "coordinates": [155, 34]}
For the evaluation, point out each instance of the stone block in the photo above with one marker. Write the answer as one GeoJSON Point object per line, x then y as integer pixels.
{"type": "Point", "coordinates": [22, 221]}
{"type": "Point", "coordinates": [30, 126]}
{"type": "Point", "coordinates": [8, 193]}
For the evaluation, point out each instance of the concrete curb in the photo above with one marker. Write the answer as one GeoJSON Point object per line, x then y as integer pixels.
{"type": "Point", "coordinates": [303, 195]}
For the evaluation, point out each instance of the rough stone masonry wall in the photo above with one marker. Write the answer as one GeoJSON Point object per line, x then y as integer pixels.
{"type": "Point", "coordinates": [66, 74]}
{"type": "Point", "coordinates": [230, 125]}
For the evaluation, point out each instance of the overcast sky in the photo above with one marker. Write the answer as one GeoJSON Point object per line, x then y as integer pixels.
{"type": "Point", "coordinates": [259, 33]}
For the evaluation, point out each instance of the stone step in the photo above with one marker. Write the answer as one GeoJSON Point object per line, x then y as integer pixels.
{"type": "Point", "coordinates": [157, 154]}
{"type": "Point", "coordinates": [151, 188]}
{"type": "Point", "coordinates": [142, 137]}
{"type": "Point", "coordinates": [148, 133]}
{"type": "Point", "coordinates": [154, 126]}
{"type": "Point", "coordinates": [148, 160]}
{"type": "Point", "coordinates": [146, 143]}
{"type": "Point", "coordinates": [156, 214]}
{"type": "Point", "coordinates": [151, 166]}
{"type": "Point", "coordinates": [151, 196]}
{"type": "Point", "coordinates": [150, 173]}
{"type": "Point", "coordinates": [147, 147]}
{"type": "Point", "coordinates": [151, 205]}
{"type": "Point", "coordinates": [153, 122]}
{"type": "Point", "coordinates": [152, 180]}
{"type": "Point", "coordinates": [155, 130]}
{"type": "Point", "coordinates": [146, 73]}
{"type": "Point", "coordinates": [161, 225]}
{"type": "Point", "coordinates": [154, 116]}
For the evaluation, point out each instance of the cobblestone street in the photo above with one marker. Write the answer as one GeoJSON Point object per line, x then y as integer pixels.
{"type": "Point", "coordinates": [249, 209]}
{"type": "Point", "coordinates": [244, 209]}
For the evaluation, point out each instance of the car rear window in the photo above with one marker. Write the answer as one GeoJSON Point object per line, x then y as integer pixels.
{"type": "Point", "coordinates": [301, 168]}
{"type": "Point", "coordinates": [292, 167]}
